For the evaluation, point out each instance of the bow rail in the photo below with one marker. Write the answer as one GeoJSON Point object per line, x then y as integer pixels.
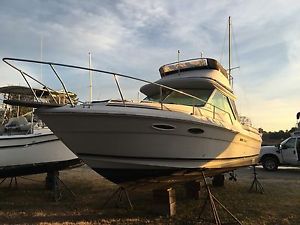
{"type": "Point", "coordinates": [52, 65]}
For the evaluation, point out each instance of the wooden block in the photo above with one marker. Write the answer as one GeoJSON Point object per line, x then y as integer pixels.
{"type": "Point", "coordinates": [172, 195]}
{"type": "Point", "coordinates": [165, 201]}
{"type": "Point", "coordinates": [172, 209]}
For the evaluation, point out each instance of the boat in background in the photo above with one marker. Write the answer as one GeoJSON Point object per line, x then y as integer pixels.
{"type": "Point", "coordinates": [25, 147]}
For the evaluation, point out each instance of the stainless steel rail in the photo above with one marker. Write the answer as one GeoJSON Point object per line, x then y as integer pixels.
{"type": "Point", "coordinates": [115, 75]}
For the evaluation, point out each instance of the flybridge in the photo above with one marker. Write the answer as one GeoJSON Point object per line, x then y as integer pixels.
{"type": "Point", "coordinates": [192, 64]}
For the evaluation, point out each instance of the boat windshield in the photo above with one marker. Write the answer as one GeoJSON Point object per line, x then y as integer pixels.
{"type": "Point", "coordinates": [173, 97]}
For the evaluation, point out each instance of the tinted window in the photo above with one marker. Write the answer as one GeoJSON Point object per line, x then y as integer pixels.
{"type": "Point", "coordinates": [222, 104]}
{"type": "Point", "coordinates": [290, 143]}
{"type": "Point", "coordinates": [181, 99]}
{"type": "Point", "coordinates": [158, 97]}
{"type": "Point", "coordinates": [173, 97]}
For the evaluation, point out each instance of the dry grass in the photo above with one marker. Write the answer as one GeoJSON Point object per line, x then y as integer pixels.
{"type": "Point", "coordinates": [31, 204]}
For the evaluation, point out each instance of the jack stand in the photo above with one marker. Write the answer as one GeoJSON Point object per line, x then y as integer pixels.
{"type": "Point", "coordinates": [11, 181]}
{"type": "Point", "coordinates": [120, 192]}
{"type": "Point", "coordinates": [53, 183]}
{"type": "Point", "coordinates": [212, 201]}
{"type": "Point", "coordinates": [256, 185]}
{"type": "Point", "coordinates": [232, 176]}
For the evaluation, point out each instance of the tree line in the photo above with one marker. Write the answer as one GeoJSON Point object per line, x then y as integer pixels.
{"type": "Point", "coordinates": [275, 137]}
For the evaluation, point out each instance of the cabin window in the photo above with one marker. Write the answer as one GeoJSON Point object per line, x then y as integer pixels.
{"type": "Point", "coordinates": [222, 106]}
{"type": "Point", "coordinates": [158, 97]}
{"type": "Point", "coordinates": [181, 99]}
{"type": "Point", "coordinates": [173, 97]}
{"type": "Point", "coordinates": [233, 106]}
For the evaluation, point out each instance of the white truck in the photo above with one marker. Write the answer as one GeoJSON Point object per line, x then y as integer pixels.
{"type": "Point", "coordinates": [287, 153]}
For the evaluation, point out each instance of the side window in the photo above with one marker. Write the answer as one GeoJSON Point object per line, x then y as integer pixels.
{"type": "Point", "coordinates": [218, 100]}
{"type": "Point", "coordinates": [233, 106]}
{"type": "Point", "coordinates": [290, 143]}
{"type": "Point", "coordinates": [229, 109]}
{"type": "Point", "coordinates": [223, 107]}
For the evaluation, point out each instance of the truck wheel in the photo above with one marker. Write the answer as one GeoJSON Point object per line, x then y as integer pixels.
{"type": "Point", "coordinates": [270, 163]}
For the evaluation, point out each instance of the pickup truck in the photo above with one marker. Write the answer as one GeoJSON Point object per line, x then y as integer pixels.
{"type": "Point", "coordinates": [287, 153]}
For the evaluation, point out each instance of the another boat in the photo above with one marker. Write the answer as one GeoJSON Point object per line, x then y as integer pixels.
{"type": "Point", "coordinates": [27, 149]}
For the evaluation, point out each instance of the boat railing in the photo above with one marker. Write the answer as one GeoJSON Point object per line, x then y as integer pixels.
{"type": "Point", "coordinates": [213, 112]}
{"type": "Point", "coordinates": [52, 65]}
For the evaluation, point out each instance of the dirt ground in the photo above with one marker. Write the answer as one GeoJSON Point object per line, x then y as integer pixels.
{"type": "Point", "coordinates": [30, 203]}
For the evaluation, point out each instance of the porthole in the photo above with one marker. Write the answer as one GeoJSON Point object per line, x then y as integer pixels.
{"type": "Point", "coordinates": [195, 130]}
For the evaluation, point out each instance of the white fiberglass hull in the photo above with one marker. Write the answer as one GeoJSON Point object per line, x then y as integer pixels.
{"type": "Point", "coordinates": [126, 143]}
{"type": "Point", "coordinates": [33, 153]}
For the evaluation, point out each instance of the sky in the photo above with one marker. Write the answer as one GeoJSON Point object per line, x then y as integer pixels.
{"type": "Point", "coordinates": [136, 37]}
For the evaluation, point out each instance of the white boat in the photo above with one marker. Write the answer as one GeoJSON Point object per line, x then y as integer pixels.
{"type": "Point", "coordinates": [39, 152]}
{"type": "Point", "coordinates": [187, 123]}
{"type": "Point", "coordinates": [189, 126]}
{"type": "Point", "coordinates": [25, 151]}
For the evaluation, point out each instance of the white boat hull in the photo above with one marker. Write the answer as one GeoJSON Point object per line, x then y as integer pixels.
{"type": "Point", "coordinates": [34, 153]}
{"type": "Point", "coordinates": [124, 139]}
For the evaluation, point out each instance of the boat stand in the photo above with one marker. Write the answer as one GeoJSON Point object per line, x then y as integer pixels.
{"type": "Point", "coordinates": [119, 193]}
{"type": "Point", "coordinates": [256, 185]}
{"type": "Point", "coordinates": [55, 184]}
{"type": "Point", "coordinates": [12, 180]}
{"type": "Point", "coordinates": [213, 201]}
{"type": "Point", "coordinates": [232, 176]}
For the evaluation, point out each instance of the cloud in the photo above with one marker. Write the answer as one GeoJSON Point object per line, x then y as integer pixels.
{"type": "Point", "coordinates": [138, 15]}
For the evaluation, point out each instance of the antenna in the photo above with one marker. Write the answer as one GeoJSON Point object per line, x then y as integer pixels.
{"type": "Point", "coordinates": [229, 48]}
{"type": "Point", "coordinates": [178, 54]}
{"type": "Point", "coordinates": [41, 55]}
{"type": "Point", "coordinates": [91, 80]}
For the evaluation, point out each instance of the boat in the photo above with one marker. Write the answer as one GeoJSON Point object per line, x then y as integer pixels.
{"type": "Point", "coordinates": [188, 123]}
{"type": "Point", "coordinates": [26, 148]}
